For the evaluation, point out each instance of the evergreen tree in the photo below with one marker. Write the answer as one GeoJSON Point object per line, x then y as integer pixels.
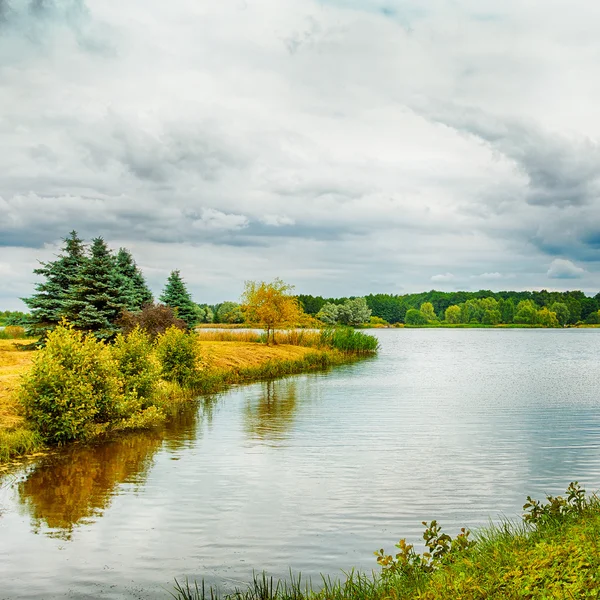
{"type": "Point", "coordinates": [96, 300]}
{"type": "Point", "coordinates": [131, 281]}
{"type": "Point", "coordinates": [48, 304]}
{"type": "Point", "coordinates": [179, 299]}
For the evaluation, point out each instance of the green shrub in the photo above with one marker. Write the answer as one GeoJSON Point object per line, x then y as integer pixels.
{"type": "Point", "coordinates": [137, 365]}
{"type": "Point", "coordinates": [348, 340]}
{"type": "Point", "coordinates": [179, 356]}
{"type": "Point", "coordinates": [72, 384]}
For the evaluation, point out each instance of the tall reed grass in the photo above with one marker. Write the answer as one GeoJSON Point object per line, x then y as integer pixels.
{"type": "Point", "coordinates": [16, 442]}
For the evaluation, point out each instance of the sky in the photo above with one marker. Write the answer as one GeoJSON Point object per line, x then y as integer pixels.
{"type": "Point", "coordinates": [348, 147]}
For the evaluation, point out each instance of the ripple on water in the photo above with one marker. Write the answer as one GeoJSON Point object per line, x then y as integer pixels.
{"type": "Point", "coordinates": [312, 472]}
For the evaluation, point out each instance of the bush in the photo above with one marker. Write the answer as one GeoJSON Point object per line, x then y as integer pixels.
{"type": "Point", "coordinates": [12, 332]}
{"type": "Point", "coordinates": [72, 384]}
{"type": "Point", "coordinates": [154, 319]}
{"type": "Point", "coordinates": [137, 365]}
{"type": "Point", "coordinates": [378, 322]}
{"type": "Point", "coordinates": [179, 356]}
{"type": "Point", "coordinates": [347, 340]}
{"type": "Point", "coordinates": [415, 317]}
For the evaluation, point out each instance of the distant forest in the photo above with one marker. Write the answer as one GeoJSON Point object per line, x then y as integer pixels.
{"type": "Point", "coordinates": [486, 307]}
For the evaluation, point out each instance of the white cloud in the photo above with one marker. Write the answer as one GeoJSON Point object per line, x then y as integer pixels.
{"type": "Point", "coordinates": [216, 220]}
{"type": "Point", "coordinates": [437, 156]}
{"type": "Point", "coordinates": [277, 220]}
{"type": "Point", "coordinates": [564, 269]}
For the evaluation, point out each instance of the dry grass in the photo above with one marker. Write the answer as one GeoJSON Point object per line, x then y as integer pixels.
{"type": "Point", "coordinates": [13, 363]}
{"type": "Point", "coordinates": [218, 356]}
{"type": "Point", "coordinates": [228, 335]}
{"type": "Point", "coordinates": [224, 356]}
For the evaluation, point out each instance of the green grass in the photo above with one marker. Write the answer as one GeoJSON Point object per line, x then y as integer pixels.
{"type": "Point", "coordinates": [17, 442]}
{"type": "Point", "coordinates": [554, 556]}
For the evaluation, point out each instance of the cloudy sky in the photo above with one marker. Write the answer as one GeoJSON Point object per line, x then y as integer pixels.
{"type": "Point", "coordinates": [347, 146]}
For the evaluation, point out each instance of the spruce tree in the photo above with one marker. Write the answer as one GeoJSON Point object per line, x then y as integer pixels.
{"type": "Point", "coordinates": [48, 305]}
{"type": "Point", "coordinates": [96, 300]}
{"type": "Point", "coordinates": [179, 299]}
{"type": "Point", "coordinates": [131, 281]}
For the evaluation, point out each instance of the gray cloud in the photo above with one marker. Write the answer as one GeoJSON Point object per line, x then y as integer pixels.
{"type": "Point", "coordinates": [345, 146]}
{"type": "Point", "coordinates": [560, 171]}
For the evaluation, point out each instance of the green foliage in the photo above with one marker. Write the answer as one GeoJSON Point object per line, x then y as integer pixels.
{"type": "Point", "coordinates": [48, 304]}
{"type": "Point", "coordinates": [557, 508]}
{"type": "Point", "coordinates": [134, 289]}
{"type": "Point", "coordinates": [228, 312]}
{"type": "Point", "coordinates": [328, 313]}
{"type": "Point", "coordinates": [348, 340]}
{"type": "Point", "coordinates": [137, 365]}
{"type": "Point", "coordinates": [179, 356]}
{"type": "Point", "coordinates": [73, 383]}
{"type": "Point", "coordinates": [393, 308]}
{"type": "Point", "coordinates": [179, 299]}
{"type": "Point", "coordinates": [561, 310]}
{"type": "Point", "coordinates": [415, 317]}
{"type": "Point", "coordinates": [556, 559]}
{"type": "Point", "coordinates": [154, 319]}
{"type": "Point", "coordinates": [378, 321]}
{"type": "Point", "coordinates": [16, 442]}
{"type": "Point", "coordinates": [428, 312]}
{"type": "Point", "coordinates": [526, 312]}
{"type": "Point", "coordinates": [441, 549]}
{"type": "Point", "coordinates": [14, 317]}
{"type": "Point", "coordinates": [452, 314]}
{"type": "Point", "coordinates": [96, 299]}
{"type": "Point", "coordinates": [546, 318]}
{"type": "Point", "coordinates": [352, 312]}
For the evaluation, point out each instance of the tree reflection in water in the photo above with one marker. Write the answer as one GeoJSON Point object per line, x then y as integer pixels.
{"type": "Point", "coordinates": [76, 485]}
{"type": "Point", "coordinates": [271, 415]}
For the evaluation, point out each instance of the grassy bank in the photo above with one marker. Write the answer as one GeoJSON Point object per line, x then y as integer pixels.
{"type": "Point", "coordinates": [226, 358]}
{"type": "Point", "coordinates": [553, 554]}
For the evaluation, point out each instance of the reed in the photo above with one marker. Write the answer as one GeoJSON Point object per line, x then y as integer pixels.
{"type": "Point", "coordinates": [16, 442]}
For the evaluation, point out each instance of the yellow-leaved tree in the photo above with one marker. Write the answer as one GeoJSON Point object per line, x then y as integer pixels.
{"type": "Point", "coordinates": [271, 305]}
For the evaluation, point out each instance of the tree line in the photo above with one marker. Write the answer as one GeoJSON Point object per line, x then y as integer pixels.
{"type": "Point", "coordinates": [96, 289]}
{"type": "Point", "coordinates": [483, 307]}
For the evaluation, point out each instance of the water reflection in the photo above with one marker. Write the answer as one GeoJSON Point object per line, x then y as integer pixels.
{"type": "Point", "coordinates": [75, 486]}
{"type": "Point", "coordinates": [270, 415]}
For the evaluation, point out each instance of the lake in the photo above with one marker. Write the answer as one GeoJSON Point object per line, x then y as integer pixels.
{"type": "Point", "coordinates": [313, 472]}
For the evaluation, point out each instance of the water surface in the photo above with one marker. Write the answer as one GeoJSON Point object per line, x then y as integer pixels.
{"type": "Point", "coordinates": [312, 472]}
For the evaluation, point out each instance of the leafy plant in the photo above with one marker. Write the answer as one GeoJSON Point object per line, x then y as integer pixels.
{"type": "Point", "coordinates": [441, 549]}
{"type": "Point", "coordinates": [179, 356]}
{"type": "Point", "coordinates": [557, 507]}
{"type": "Point", "coordinates": [137, 365]}
{"type": "Point", "coordinates": [73, 383]}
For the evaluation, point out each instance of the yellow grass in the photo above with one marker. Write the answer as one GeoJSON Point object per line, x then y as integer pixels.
{"type": "Point", "coordinates": [13, 363]}
{"type": "Point", "coordinates": [217, 356]}
{"type": "Point", "coordinates": [223, 356]}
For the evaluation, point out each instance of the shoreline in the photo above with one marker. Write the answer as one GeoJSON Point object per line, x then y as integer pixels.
{"type": "Point", "coordinates": [226, 363]}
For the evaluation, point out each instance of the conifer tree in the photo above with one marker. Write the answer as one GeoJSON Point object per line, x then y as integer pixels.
{"type": "Point", "coordinates": [131, 281]}
{"type": "Point", "coordinates": [96, 300]}
{"type": "Point", "coordinates": [179, 299]}
{"type": "Point", "coordinates": [48, 304]}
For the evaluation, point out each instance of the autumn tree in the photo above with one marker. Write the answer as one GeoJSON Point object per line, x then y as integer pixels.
{"type": "Point", "coordinates": [271, 305]}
